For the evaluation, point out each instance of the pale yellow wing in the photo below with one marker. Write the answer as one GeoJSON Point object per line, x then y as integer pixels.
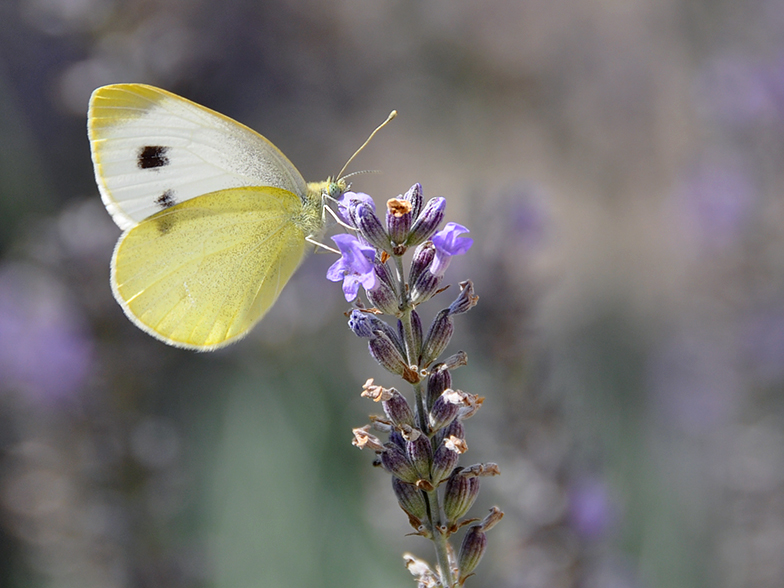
{"type": "Point", "coordinates": [201, 273]}
{"type": "Point", "coordinates": [152, 149]}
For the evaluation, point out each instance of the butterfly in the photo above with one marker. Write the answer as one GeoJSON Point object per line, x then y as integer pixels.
{"type": "Point", "coordinates": [215, 218]}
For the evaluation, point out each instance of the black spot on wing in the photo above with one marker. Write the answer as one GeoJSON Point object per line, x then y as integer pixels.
{"type": "Point", "coordinates": [165, 221]}
{"type": "Point", "coordinates": [152, 157]}
{"type": "Point", "coordinates": [166, 200]}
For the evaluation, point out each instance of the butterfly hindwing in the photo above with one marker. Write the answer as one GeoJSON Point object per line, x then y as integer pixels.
{"type": "Point", "coordinates": [202, 272]}
{"type": "Point", "coordinates": [153, 150]}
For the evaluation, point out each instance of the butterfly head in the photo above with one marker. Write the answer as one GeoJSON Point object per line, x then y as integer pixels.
{"type": "Point", "coordinates": [335, 189]}
{"type": "Point", "coordinates": [321, 194]}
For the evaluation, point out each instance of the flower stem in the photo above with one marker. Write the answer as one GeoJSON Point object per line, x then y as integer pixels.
{"type": "Point", "coordinates": [439, 540]}
{"type": "Point", "coordinates": [431, 498]}
{"type": "Point", "coordinates": [405, 303]}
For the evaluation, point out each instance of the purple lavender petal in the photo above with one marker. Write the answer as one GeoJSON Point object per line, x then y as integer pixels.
{"type": "Point", "coordinates": [448, 243]}
{"type": "Point", "coordinates": [355, 266]}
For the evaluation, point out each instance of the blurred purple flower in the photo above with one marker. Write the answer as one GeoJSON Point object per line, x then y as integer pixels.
{"type": "Point", "coordinates": [354, 267]}
{"type": "Point", "coordinates": [775, 81]}
{"type": "Point", "coordinates": [694, 379]}
{"type": "Point", "coordinates": [763, 340]}
{"type": "Point", "coordinates": [524, 214]}
{"type": "Point", "coordinates": [518, 228]}
{"type": "Point", "coordinates": [591, 511]}
{"type": "Point", "coordinates": [717, 201]}
{"type": "Point", "coordinates": [44, 350]}
{"type": "Point", "coordinates": [448, 243]}
{"type": "Point", "coordinates": [737, 90]}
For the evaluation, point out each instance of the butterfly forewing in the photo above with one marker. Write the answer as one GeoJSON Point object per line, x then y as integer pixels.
{"type": "Point", "coordinates": [201, 273]}
{"type": "Point", "coordinates": [153, 150]}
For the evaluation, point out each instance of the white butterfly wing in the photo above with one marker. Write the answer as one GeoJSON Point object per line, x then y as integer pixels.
{"type": "Point", "coordinates": [153, 149]}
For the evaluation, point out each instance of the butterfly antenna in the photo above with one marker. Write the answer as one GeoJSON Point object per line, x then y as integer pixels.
{"type": "Point", "coordinates": [392, 115]}
{"type": "Point", "coordinates": [364, 171]}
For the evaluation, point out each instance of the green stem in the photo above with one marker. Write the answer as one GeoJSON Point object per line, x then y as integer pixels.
{"type": "Point", "coordinates": [439, 540]}
{"type": "Point", "coordinates": [401, 281]}
{"type": "Point", "coordinates": [411, 354]}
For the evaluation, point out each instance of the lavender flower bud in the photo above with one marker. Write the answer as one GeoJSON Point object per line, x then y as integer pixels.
{"type": "Point", "coordinates": [396, 437]}
{"type": "Point", "coordinates": [371, 228]}
{"type": "Point", "coordinates": [445, 409]}
{"type": "Point", "coordinates": [440, 379]}
{"type": "Point", "coordinates": [423, 257]}
{"type": "Point", "coordinates": [414, 196]}
{"type": "Point", "coordinates": [365, 325]}
{"type": "Point", "coordinates": [460, 494]}
{"type": "Point", "coordinates": [425, 286]}
{"type": "Point", "coordinates": [362, 324]}
{"type": "Point", "coordinates": [427, 222]}
{"type": "Point", "coordinates": [415, 344]}
{"type": "Point", "coordinates": [384, 298]}
{"type": "Point", "coordinates": [471, 551]}
{"type": "Point", "coordinates": [453, 429]}
{"type": "Point", "coordinates": [384, 274]}
{"type": "Point", "coordinates": [390, 332]}
{"type": "Point", "coordinates": [466, 300]}
{"type": "Point", "coordinates": [397, 409]}
{"type": "Point", "coordinates": [420, 454]}
{"type": "Point", "coordinates": [395, 461]}
{"type": "Point", "coordinates": [398, 221]}
{"type": "Point", "coordinates": [348, 203]}
{"type": "Point", "coordinates": [386, 353]}
{"type": "Point", "coordinates": [445, 459]}
{"type": "Point", "coordinates": [437, 338]}
{"type": "Point", "coordinates": [410, 498]}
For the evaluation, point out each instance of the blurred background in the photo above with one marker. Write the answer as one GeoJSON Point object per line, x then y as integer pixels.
{"type": "Point", "coordinates": [620, 165]}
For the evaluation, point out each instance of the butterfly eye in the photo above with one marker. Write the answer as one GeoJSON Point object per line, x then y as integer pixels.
{"type": "Point", "coordinates": [336, 189]}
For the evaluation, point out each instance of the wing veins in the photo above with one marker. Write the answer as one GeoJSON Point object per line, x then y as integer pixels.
{"type": "Point", "coordinates": [261, 283]}
{"type": "Point", "coordinates": [205, 256]}
{"type": "Point", "coordinates": [226, 295]}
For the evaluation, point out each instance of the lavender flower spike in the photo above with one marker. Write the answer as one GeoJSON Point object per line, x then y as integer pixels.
{"type": "Point", "coordinates": [426, 433]}
{"type": "Point", "coordinates": [447, 244]}
{"type": "Point", "coordinates": [354, 267]}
